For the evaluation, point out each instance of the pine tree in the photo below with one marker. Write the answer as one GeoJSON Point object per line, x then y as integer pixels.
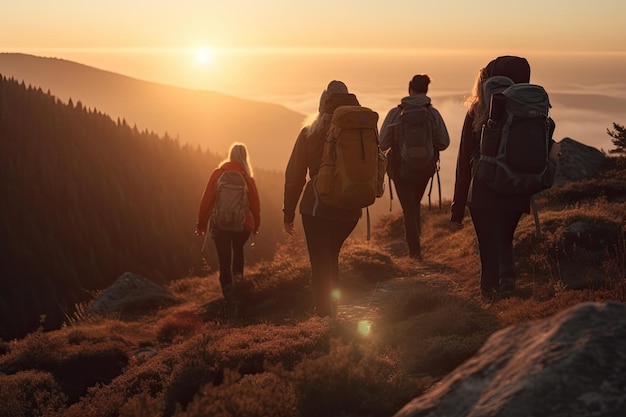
{"type": "Point", "coordinates": [619, 139]}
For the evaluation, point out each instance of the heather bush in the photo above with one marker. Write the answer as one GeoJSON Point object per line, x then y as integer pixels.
{"type": "Point", "coordinates": [29, 393]}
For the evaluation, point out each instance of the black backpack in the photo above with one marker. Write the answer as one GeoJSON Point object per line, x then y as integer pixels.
{"type": "Point", "coordinates": [514, 143]}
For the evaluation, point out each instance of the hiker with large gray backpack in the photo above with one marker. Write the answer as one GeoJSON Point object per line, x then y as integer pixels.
{"type": "Point", "coordinates": [506, 155]}
{"type": "Point", "coordinates": [230, 211]}
{"type": "Point", "coordinates": [413, 133]}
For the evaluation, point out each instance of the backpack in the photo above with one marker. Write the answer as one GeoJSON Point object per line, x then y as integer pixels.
{"type": "Point", "coordinates": [414, 150]}
{"type": "Point", "coordinates": [514, 143]}
{"type": "Point", "coordinates": [352, 170]}
{"type": "Point", "coordinates": [231, 202]}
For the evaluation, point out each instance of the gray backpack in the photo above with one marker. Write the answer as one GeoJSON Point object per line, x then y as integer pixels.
{"type": "Point", "coordinates": [515, 140]}
{"type": "Point", "coordinates": [231, 202]}
{"type": "Point", "coordinates": [413, 151]}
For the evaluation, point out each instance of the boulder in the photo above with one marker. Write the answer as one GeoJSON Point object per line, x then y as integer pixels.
{"type": "Point", "coordinates": [131, 294]}
{"type": "Point", "coordinates": [578, 162]}
{"type": "Point", "coordinates": [572, 364]}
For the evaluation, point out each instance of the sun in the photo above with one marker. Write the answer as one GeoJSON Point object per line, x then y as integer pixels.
{"type": "Point", "coordinates": [204, 56]}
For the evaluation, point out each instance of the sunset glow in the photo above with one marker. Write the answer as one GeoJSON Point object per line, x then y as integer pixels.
{"type": "Point", "coordinates": [204, 56]}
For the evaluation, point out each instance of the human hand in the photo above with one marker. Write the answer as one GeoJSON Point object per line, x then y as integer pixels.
{"type": "Point", "coordinates": [200, 231]}
{"type": "Point", "coordinates": [289, 228]}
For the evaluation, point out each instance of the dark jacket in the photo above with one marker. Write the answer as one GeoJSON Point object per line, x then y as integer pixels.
{"type": "Point", "coordinates": [306, 157]}
{"type": "Point", "coordinates": [467, 192]}
{"type": "Point", "coordinates": [388, 129]}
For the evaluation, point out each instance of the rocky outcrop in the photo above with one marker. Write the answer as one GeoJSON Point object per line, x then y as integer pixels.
{"type": "Point", "coordinates": [571, 365]}
{"type": "Point", "coordinates": [578, 162]}
{"type": "Point", "coordinates": [131, 294]}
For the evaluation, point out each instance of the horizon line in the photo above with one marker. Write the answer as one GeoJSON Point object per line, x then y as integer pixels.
{"type": "Point", "coordinates": [282, 50]}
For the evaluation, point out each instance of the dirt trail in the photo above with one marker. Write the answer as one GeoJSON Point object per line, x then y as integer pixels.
{"type": "Point", "coordinates": [366, 306]}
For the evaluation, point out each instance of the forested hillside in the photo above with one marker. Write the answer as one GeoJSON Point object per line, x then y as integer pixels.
{"type": "Point", "coordinates": [206, 118]}
{"type": "Point", "coordinates": [84, 198]}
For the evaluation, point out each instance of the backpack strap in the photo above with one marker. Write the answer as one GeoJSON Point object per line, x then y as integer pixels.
{"type": "Point", "coordinates": [533, 207]}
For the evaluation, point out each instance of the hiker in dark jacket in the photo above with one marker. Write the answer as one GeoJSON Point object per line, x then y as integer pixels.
{"type": "Point", "coordinates": [325, 227]}
{"type": "Point", "coordinates": [229, 243]}
{"type": "Point", "coordinates": [495, 216]}
{"type": "Point", "coordinates": [410, 192]}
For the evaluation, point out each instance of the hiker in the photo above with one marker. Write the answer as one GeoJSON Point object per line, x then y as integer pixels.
{"type": "Point", "coordinates": [230, 224]}
{"type": "Point", "coordinates": [414, 153]}
{"type": "Point", "coordinates": [495, 215]}
{"type": "Point", "coordinates": [325, 231]}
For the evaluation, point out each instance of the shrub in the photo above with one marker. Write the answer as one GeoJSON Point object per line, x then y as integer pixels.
{"type": "Point", "coordinates": [178, 325]}
{"type": "Point", "coordinates": [30, 393]}
{"type": "Point", "coordinates": [353, 381]}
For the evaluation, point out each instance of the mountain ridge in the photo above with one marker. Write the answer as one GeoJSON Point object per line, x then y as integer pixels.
{"type": "Point", "coordinates": [208, 119]}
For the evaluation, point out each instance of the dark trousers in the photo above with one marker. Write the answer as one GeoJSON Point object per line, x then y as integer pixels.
{"type": "Point", "coordinates": [494, 231]}
{"type": "Point", "coordinates": [324, 239]}
{"type": "Point", "coordinates": [410, 194]}
{"type": "Point", "coordinates": [229, 247]}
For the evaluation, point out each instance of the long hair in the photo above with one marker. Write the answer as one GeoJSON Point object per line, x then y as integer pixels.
{"type": "Point", "coordinates": [477, 105]}
{"type": "Point", "coordinates": [319, 121]}
{"type": "Point", "coordinates": [239, 153]}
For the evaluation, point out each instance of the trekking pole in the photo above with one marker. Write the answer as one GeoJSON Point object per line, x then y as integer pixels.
{"type": "Point", "coordinates": [439, 186]}
{"type": "Point", "coordinates": [390, 193]}
{"type": "Point", "coordinates": [206, 236]}
{"type": "Point", "coordinates": [533, 206]}
{"type": "Point", "coordinates": [430, 190]}
{"type": "Point", "coordinates": [367, 210]}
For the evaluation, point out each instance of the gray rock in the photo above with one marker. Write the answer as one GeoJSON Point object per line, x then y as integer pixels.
{"type": "Point", "coordinates": [131, 293]}
{"type": "Point", "coordinates": [578, 162]}
{"type": "Point", "coordinates": [572, 364]}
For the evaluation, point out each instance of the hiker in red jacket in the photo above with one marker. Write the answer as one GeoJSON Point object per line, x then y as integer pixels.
{"type": "Point", "coordinates": [230, 238]}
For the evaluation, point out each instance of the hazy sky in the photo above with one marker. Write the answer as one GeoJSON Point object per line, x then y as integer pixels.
{"type": "Point", "coordinates": [194, 43]}
{"type": "Point", "coordinates": [563, 25]}
{"type": "Point", "coordinates": [286, 51]}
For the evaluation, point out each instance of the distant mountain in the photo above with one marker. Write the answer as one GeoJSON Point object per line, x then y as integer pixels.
{"type": "Point", "coordinates": [209, 119]}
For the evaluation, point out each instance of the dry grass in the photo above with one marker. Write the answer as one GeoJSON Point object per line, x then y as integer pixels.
{"type": "Point", "coordinates": [276, 358]}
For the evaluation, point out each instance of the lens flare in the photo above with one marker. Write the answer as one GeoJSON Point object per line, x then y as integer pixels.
{"type": "Point", "coordinates": [364, 327]}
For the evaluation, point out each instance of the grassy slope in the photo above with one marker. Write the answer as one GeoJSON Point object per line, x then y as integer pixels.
{"type": "Point", "coordinates": [276, 358]}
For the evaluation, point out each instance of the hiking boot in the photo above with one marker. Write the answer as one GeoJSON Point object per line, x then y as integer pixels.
{"type": "Point", "coordinates": [489, 295]}
{"type": "Point", "coordinates": [334, 307]}
{"type": "Point", "coordinates": [507, 286]}
{"type": "Point", "coordinates": [228, 291]}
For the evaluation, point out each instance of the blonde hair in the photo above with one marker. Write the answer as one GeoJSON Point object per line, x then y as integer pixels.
{"type": "Point", "coordinates": [476, 102]}
{"type": "Point", "coordinates": [239, 153]}
{"type": "Point", "coordinates": [317, 122]}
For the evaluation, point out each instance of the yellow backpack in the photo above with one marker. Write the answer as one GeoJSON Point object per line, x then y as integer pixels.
{"type": "Point", "coordinates": [352, 171]}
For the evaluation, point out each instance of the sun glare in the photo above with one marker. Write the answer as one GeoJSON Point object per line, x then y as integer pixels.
{"type": "Point", "coordinates": [204, 56]}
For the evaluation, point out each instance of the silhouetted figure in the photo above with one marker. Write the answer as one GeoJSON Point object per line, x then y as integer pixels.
{"type": "Point", "coordinates": [416, 133]}
{"type": "Point", "coordinates": [230, 209]}
{"type": "Point", "coordinates": [325, 227]}
{"type": "Point", "coordinates": [495, 215]}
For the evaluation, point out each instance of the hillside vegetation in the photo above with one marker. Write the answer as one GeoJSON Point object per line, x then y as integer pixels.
{"type": "Point", "coordinates": [85, 198]}
{"type": "Point", "coordinates": [276, 358]}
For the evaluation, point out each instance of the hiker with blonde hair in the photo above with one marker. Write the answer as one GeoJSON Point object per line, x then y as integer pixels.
{"type": "Point", "coordinates": [495, 214]}
{"type": "Point", "coordinates": [325, 227]}
{"type": "Point", "coordinates": [230, 208]}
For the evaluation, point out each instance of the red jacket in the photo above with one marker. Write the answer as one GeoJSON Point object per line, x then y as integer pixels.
{"type": "Point", "coordinates": [253, 218]}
